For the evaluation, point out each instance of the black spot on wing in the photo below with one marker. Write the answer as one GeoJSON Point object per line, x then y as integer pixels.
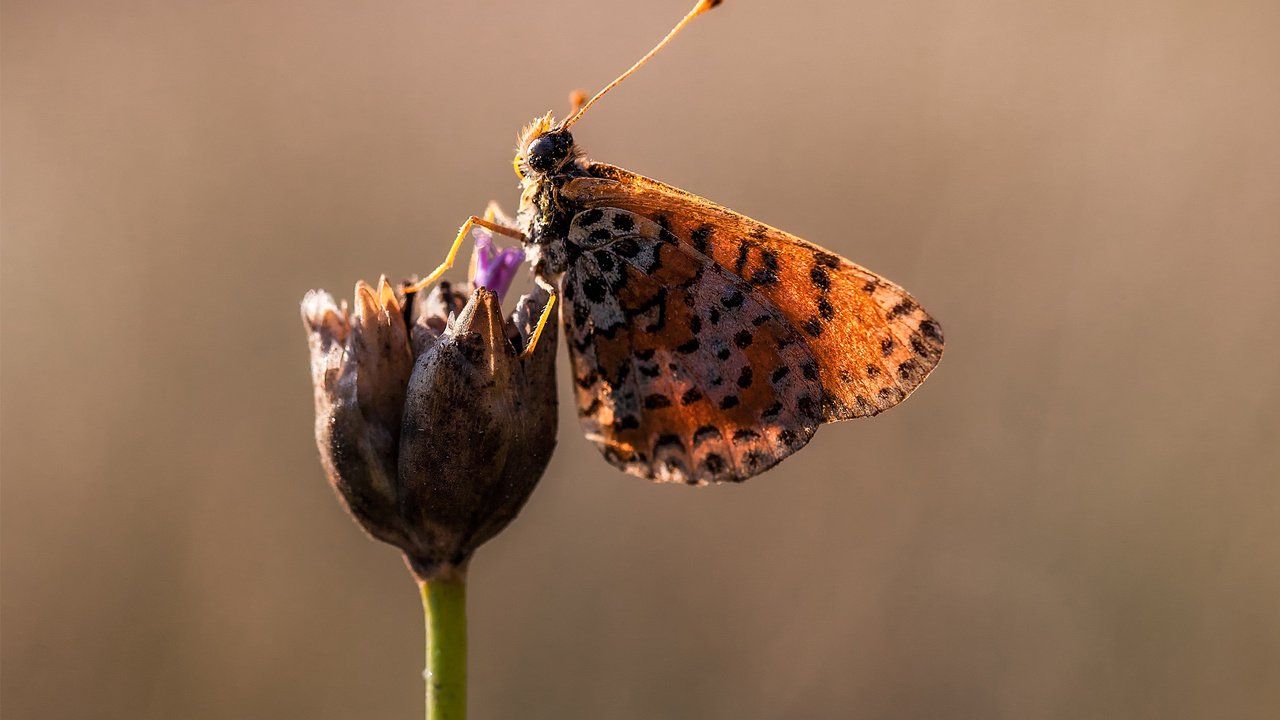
{"type": "Point", "coordinates": [699, 237]}
{"type": "Point", "coordinates": [623, 222]}
{"type": "Point", "coordinates": [908, 369]}
{"type": "Point", "coordinates": [605, 260]}
{"type": "Point", "coordinates": [826, 259]}
{"type": "Point", "coordinates": [626, 247]}
{"type": "Point", "coordinates": [705, 433]}
{"type": "Point", "coordinates": [668, 440]}
{"type": "Point", "coordinates": [689, 347]}
{"type": "Point", "coordinates": [754, 461]}
{"type": "Point", "coordinates": [656, 401]}
{"type": "Point", "coordinates": [902, 308]}
{"type": "Point", "coordinates": [744, 252]}
{"type": "Point", "coordinates": [713, 464]}
{"type": "Point", "coordinates": [764, 277]}
{"type": "Point", "coordinates": [810, 369]}
{"type": "Point", "coordinates": [820, 277]}
{"type": "Point", "coordinates": [805, 406]}
{"type": "Point", "coordinates": [595, 288]}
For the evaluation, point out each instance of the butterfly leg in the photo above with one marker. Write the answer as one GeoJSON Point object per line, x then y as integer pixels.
{"type": "Point", "coordinates": [465, 230]}
{"type": "Point", "coordinates": [544, 318]}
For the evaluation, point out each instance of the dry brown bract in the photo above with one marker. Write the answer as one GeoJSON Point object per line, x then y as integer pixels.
{"type": "Point", "coordinates": [431, 426]}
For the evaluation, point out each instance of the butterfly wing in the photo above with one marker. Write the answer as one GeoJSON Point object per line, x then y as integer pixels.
{"type": "Point", "coordinates": [682, 373]}
{"type": "Point", "coordinates": [872, 342]}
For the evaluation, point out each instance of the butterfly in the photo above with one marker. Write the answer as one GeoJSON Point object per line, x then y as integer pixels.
{"type": "Point", "coordinates": [706, 346]}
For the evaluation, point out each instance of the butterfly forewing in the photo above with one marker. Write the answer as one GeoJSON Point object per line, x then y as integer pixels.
{"type": "Point", "coordinates": [682, 372]}
{"type": "Point", "coordinates": [871, 341]}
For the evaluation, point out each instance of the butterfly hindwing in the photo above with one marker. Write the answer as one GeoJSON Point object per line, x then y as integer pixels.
{"type": "Point", "coordinates": [682, 373]}
{"type": "Point", "coordinates": [872, 342]}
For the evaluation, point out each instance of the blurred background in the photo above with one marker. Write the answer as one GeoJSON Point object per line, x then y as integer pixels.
{"type": "Point", "coordinates": [1075, 517]}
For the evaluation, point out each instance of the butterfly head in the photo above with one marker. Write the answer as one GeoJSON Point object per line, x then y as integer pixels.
{"type": "Point", "coordinates": [544, 148]}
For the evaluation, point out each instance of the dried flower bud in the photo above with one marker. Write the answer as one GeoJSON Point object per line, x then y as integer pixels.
{"type": "Point", "coordinates": [432, 425]}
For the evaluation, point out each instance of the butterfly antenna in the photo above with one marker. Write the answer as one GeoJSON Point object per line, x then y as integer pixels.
{"type": "Point", "coordinates": [701, 7]}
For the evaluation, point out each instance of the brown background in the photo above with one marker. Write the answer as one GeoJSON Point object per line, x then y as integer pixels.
{"type": "Point", "coordinates": [1076, 517]}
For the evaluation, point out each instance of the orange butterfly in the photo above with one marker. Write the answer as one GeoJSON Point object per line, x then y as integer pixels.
{"type": "Point", "coordinates": [706, 346]}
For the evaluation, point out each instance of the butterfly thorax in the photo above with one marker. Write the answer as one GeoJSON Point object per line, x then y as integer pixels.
{"type": "Point", "coordinates": [545, 223]}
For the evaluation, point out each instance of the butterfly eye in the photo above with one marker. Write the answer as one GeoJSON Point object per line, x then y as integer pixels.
{"type": "Point", "coordinates": [548, 151]}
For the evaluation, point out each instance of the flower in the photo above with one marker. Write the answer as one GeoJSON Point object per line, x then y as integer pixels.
{"type": "Point", "coordinates": [494, 269]}
{"type": "Point", "coordinates": [433, 426]}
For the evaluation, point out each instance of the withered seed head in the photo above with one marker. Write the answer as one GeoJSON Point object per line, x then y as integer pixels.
{"type": "Point", "coordinates": [431, 425]}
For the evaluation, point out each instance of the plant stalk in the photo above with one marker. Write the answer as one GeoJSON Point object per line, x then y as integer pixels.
{"type": "Point", "coordinates": [444, 605]}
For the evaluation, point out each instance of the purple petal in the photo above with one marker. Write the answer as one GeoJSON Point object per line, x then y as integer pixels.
{"type": "Point", "coordinates": [495, 270]}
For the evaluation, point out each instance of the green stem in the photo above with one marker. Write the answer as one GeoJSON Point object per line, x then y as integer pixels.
{"type": "Point", "coordinates": [444, 603]}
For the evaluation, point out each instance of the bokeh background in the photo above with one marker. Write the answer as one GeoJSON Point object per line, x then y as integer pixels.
{"type": "Point", "coordinates": [1078, 516]}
